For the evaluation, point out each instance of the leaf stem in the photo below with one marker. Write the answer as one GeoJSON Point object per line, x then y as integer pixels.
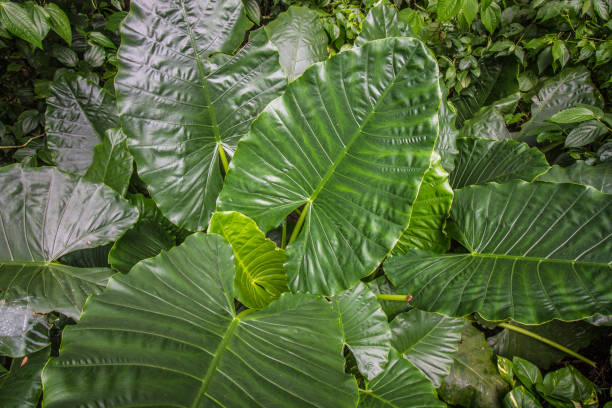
{"type": "Point", "coordinates": [23, 145]}
{"type": "Point", "coordinates": [300, 221]}
{"type": "Point", "coordinates": [223, 158]}
{"type": "Point", "coordinates": [547, 341]}
{"type": "Point", "coordinates": [397, 298]}
{"type": "Point", "coordinates": [284, 235]}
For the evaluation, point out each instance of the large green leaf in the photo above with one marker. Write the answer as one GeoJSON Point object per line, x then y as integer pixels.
{"type": "Point", "coordinates": [429, 213]}
{"type": "Point", "coordinates": [364, 328]}
{"type": "Point", "coordinates": [300, 38]}
{"type": "Point", "coordinates": [352, 139]}
{"type": "Point", "coordinates": [21, 388]}
{"type": "Point", "coordinates": [569, 87]}
{"type": "Point", "coordinates": [538, 252]}
{"type": "Point", "coordinates": [446, 142]}
{"type": "Point", "coordinates": [568, 388]}
{"type": "Point", "coordinates": [573, 335]}
{"type": "Point", "coordinates": [197, 105]}
{"type": "Point", "coordinates": [58, 213]}
{"type": "Point", "coordinates": [400, 385]}
{"type": "Point", "coordinates": [112, 163]}
{"type": "Point", "coordinates": [78, 114]}
{"type": "Point", "coordinates": [481, 161]}
{"type": "Point", "coordinates": [599, 176]}
{"type": "Point", "coordinates": [473, 380]}
{"type": "Point", "coordinates": [198, 352]}
{"type": "Point", "coordinates": [428, 341]}
{"type": "Point", "coordinates": [381, 22]}
{"type": "Point", "coordinates": [260, 276]}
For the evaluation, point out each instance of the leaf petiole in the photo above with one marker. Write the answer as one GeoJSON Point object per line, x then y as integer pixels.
{"type": "Point", "coordinates": [397, 298]}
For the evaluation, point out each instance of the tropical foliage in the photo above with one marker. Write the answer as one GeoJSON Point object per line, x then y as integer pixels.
{"type": "Point", "coordinates": [320, 203]}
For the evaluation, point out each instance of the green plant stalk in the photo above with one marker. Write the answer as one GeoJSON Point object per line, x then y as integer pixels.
{"type": "Point", "coordinates": [300, 221]}
{"type": "Point", "coordinates": [547, 341]}
{"type": "Point", "coordinates": [223, 158]}
{"type": "Point", "coordinates": [397, 298]}
{"type": "Point", "coordinates": [284, 236]}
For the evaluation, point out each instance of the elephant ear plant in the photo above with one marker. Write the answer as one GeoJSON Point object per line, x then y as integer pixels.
{"type": "Point", "coordinates": [240, 136]}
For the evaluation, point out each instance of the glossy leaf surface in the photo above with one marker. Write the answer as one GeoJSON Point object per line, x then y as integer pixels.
{"type": "Point", "coordinates": [197, 103]}
{"type": "Point", "coordinates": [198, 351]}
{"type": "Point", "coordinates": [21, 330]}
{"type": "Point", "coordinates": [17, 21]}
{"type": "Point", "coordinates": [60, 213]}
{"type": "Point", "coordinates": [300, 38]}
{"type": "Point", "coordinates": [381, 285]}
{"type": "Point", "coordinates": [538, 252]}
{"type": "Point", "coordinates": [260, 275]}
{"type": "Point", "coordinates": [428, 341]}
{"type": "Point", "coordinates": [567, 387]}
{"type": "Point", "coordinates": [599, 176]}
{"type": "Point", "coordinates": [112, 162]}
{"type": "Point", "coordinates": [78, 114]}
{"type": "Point", "coordinates": [22, 386]}
{"type": "Point", "coordinates": [473, 380]}
{"type": "Point", "coordinates": [382, 21]}
{"type": "Point", "coordinates": [519, 397]}
{"type": "Point", "coordinates": [364, 328]}
{"type": "Point", "coordinates": [429, 213]}
{"type": "Point", "coordinates": [481, 161]}
{"type": "Point", "coordinates": [352, 139]}
{"type": "Point", "coordinates": [400, 385]}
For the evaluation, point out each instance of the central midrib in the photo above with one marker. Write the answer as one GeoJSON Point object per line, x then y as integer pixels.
{"type": "Point", "coordinates": [211, 110]}
{"type": "Point", "coordinates": [353, 139]}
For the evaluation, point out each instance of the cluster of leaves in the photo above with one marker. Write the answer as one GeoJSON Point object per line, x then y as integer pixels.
{"type": "Point", "coordinates": [231, 221]}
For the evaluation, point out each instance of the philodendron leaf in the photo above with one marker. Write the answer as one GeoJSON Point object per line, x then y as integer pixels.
{"type": "Point", "coordinates": [505, 370]}
{"type": "Point", "coordinates": [538, 252]}
{"type": "Point", "coordinates": [260, 275]}
{"type": "Point", "coordinates": [352, 148]}
{"type": "Point", "coordinates": [429, 213]}
{"type": "Point", "coordinates": [481, 161]}
{"type": "Point", "coordinates": [200, 99]}
{"type": "Point", "coordinates": [78, 114]}
{"type": "Point", "coordinates": [569, 87]}
{"type": "Point", "coordinates": [400, 385]}
{"type": "Point", "coordinates": [364, 328]}
{"type": "Point", "coordinates": [599, 176]}
{"type": "Point", "coordinates": [446, 142]}
{"type": "Point", "coordinates": [519, 397]}
{"type": "Point", "coordinates": [21, 330]}
{"type": "Point", "coordinates": [568, 388]}
{"type": "Point", "coordinates": [526, 372]}
{"type": "Point", "coordinates": [487, 123]}
{"type": "Point", "coordinates": [112, 162]}
{"type": "Point", "coordinates": [381, 22]}
{"type": "Point", "coordinates": [21, 388]}
{"type": "Point", "coordinates": [198, 351]}
{"type": "Point", "coordinates": [428, 341]}
{"type": "Point", "coordinates": [473, 380]}
{"type": "Point", "coordinates": [60, 213]}
{"type": "Point", "coordinates": [300, 38]}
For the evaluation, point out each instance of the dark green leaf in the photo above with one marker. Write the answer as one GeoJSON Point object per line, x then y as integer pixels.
{"type": "Point", "coordinates": [519, 397]}
{"type": "Point", "coordinates": [567, 387]}
{"type": "Point", "coordinates": [300, 38]}
{"type": "Point", "coordinates": [22, 386]}
{"type": "Point", "coordinates": [364, 329]}
{"type": "Point", "coordinates": [490, 16]}
{"type": "Point", "coordinates": [198, 350]}
{"type": "Point", "coordinates": [78, 114]}
{"type": "Point", "coordinates": [112, 163]}
{"type": "Point", "coordinates": [334, 141]}
{"type": "Point", "coordinates": [18, 22]}
{"type": "Point", "coordinates": [65, 55]}
{"type": "Point", "coordinates": [572, 115]}
{"type": "Point", "coordinates": [98, 38]}
{"type": "Point", "coordinates": [428, 341]}
{"type": "Point", "coordinates": [526, 372]}
{"type": "Point", "coordinates": [400, 385]}
{"type": "Point", "coordinates": [505, 370]}
{"type": "Point", "coordinates": [487, 123]}
{"type": "Point", "coordinates": [473, 380]}
{"type": "Point", "coordinates": [481, 161]}
{"type": "Point", "coordinates": [260, 275]}
{"type": "Point", "coordinates": [59, 22]}
{"type": "Point", "coordinates": [199, 100]}
{"type": "Point", "coordinates": [585, 133]}
{"type": "Point", "coordinates": [390, 307]}
{"type": "Point", "coordinates": [560, 231]}
{"type": "Point", "coordinates": [61, 213]}
{"type": "Point", "coordinates": [602, 8]}
{"type": "Point", "coordinates": [599, 176]}
{"type": "Point", "coordinates": [95, 56]}
{"type": "Point", "coordinates": [21, 330]}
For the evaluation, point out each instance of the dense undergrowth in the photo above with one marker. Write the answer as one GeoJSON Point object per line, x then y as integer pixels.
{"type": "Point", "coordinates": [305, 203]}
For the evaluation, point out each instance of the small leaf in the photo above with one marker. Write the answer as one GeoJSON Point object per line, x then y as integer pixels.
{"type": "Point", "coordinates": [59, 22]}
{"type": "Point", "coordinates": [65, 55]}
{"type": "Point", "coordinates": [521, 398]}
{"type": "Point", "coordinates": [260, 275]}
{"type": "Point", "coordinates": [585, 133]}
{"type": "Point", "coordinates": [505, 369]}
{"type": "Point", "coordinates": [95, 56]}
{"type": "Point", "coordinates": [447, 9]}
{"type": "Point", "coordinates": [469, 10]}
{"type": "Point", "coordinates": [572, 115]}
{"type": "Point", "coordinates": [100, 39]}
{"type": "Point", "coordinates": [526, 372]}
{"type": "Point", "coordinates": [603, 53]}
{"type": "Point", "coordinates": [602, 8]}
{"type": "Point", "coordinates": [19, 23]}
{"type": "Point", "coordinates": [252, 10]}
{"type": "Point", "coordinates": [560, 52]}
{"type": "Point", "coordinates": [490, 16]}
